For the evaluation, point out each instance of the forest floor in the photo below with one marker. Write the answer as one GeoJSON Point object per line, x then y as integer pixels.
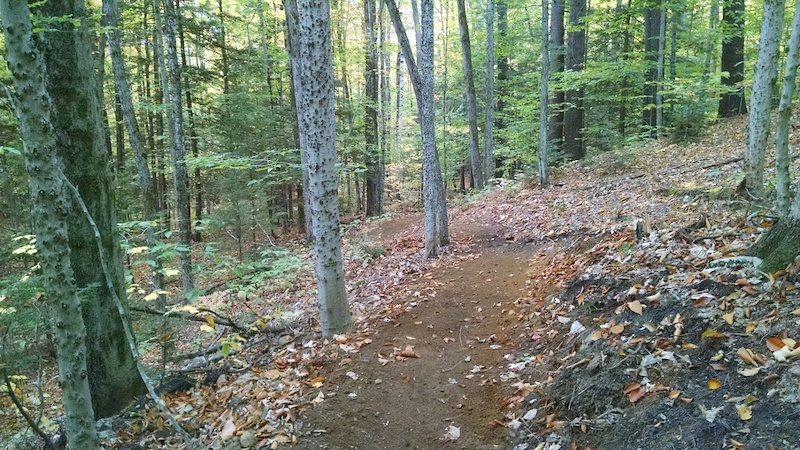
{"type": "Point", "coordinates": [607, 311]}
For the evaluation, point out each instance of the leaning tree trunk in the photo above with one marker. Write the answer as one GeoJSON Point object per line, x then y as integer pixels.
{"type": "Point", "coordinates": [317, 122]}
{"type": "Point", "coordinates": [143, 178]}
{"type": "Point", "coordinates": [50, 210]}
{"type": "Point", "coordinates": [76, 118]}
{"type": "Point", "coordinates": [435, 205]}
{"type": "Point", "coordinates": [766, 72]}
{"type": "Point", "coordinates": [476, 161]}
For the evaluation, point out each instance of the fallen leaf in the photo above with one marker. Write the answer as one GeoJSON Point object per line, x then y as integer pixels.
{"type": "Point", "coordinates": [749, 290]}
{"type": "Point", "coordinates": [711, 414]}
{"type": "Point", "coordinates": [617, 329]}
{"type": "Point", "coordinates": [796, 312]}
{"type": "Point", "coordinates": [228, 430]}
{"type": "Point", "coordinates": [774, 344]}
{"type": "Point", "coordinates": [318, 399]}
{"type": "Point", "coordinates": [635, 306]}
{"type": "Point", "coordinates": [408, 352]}
{"type": "Point", "coordinates": [673, 394]}
{"type": "Point", "coordinates": [728, 318]}
{"type": "Point", "coordinates": [452, 434]}
{"type": "Point", "coordinates": [316, 382]}
{"type": "Point", "coordinates": [745, 412]}
{"type": "Point", "coordinates": [749, 372]}
{"type": "Point", "coordinates": [747, 356]}
{"type": "Point", "coordinates": [713, 334]}
{"type": "Point", "coordinates": [714, 384]}
{"type": "Point", "coordinates": [718, 366]}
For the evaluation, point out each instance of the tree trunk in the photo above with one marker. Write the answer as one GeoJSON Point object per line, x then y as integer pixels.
{"type": "Point", "coordinates": [371, 152]}
{"type": "Point", "coordinates": [180, 175]}
{"type": "Point", "coordinates": [436, 227]}
{"type": "Point", "coordinates": [555, 125]}
{"type": "Point", "coordinates": [192, 129]}
{"type": "Point", "coordinates": [488, 123]}
{"type": "Point", "coordinates": [766, 74]}
{"type": "Point", "coordinates": [574, 145]}
{"type": "Point", "coordinates": [662, 39]}
{"type": "Point", "coordinates": [317, 121]}
{"type": "Point", "coordinates": [400, 81]}
{"type": "Point", "coordinates": [732, 102]}
{"type": "Point", "coordinates": [386, 99]}
{"type": "Point", "coordinates": [76, 117]}
{"type": "Point", "coordinates": [476, 161]}
{"type": "Point", "coordinates": [652, 26]}
{"type": "Point", "coordinates": [503, 74]}
{"type": "Point", "coordinates": [543, 104]}
{"type": "Point", "coordinates": [50, 210]}
{"type": "Point", "coordinates": [143, 178]}
{"type": "Point", "coordinates": [782, 159]}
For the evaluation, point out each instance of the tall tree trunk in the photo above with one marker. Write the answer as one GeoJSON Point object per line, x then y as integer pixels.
{"type": "Point", "coordinates": [555, 126]}
{"type": "Point", "coordinates": [293, 47]}
{"type": "Point", "coordinates": [488, 123]}
{"type": "Point", "coordinates": [652, 26]}
{"type": "Point", "coordinates": [732, 102]}
{"type": "Point", "coordinates": [436, 227]}
{"type": "Point", "coordinates": [371, 152]}
{"type": "Point", "coordinates": [784, 116]}
{"type": "Point", "coordinates": [543, 104]}
{"type": "Point", "coordinates": [713, 19]}
{"type": "Point", "coordinates": [662, 38]}
{"type": "Point", "coordinates": [143, 177]}
{"type": "Point", "coordinates": [766, 74]}
{"type": "Point", "coordinates": [400, 81]}
{"type": "Point", "coordinates": [180, 175]}
{"type": "Point", "coordinates": [316, 117]}
{"type": "Point", "coordinates": [192, 129]}
{"type": "Point", "coordinates": [476, 161]}
{"type": "Point", "coordinates": [574, 145]}
{"type": "Point", "coordinates": [503, 74]}
{"type": "Point", "coordinates": [50, 210]}
{"type": "Point", "coordinates": [386, 99]}
{"type": "Point", "coordinates": [76, 117]}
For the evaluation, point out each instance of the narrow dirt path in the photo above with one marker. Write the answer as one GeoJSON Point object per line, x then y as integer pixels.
{"type": "Point", "coordinates": [458, 321]}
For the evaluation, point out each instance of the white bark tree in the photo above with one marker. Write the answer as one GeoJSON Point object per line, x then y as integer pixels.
{"type": "Point", "coordinates": [433, 195]}
{"type": "Point", "coordinates": [314, 91]}
{"type": "Point", "coordinates": [51, 208]}
{"type": "Point", "coordinates": [766, 73]}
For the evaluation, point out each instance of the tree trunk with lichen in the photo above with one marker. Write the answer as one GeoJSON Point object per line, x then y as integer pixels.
{"type": "Point", "coordinates": [50, 209]}
{"type": "Point", "coordinates": [309, 21]}
{"type": "Point", "coordinates": [75, 115]}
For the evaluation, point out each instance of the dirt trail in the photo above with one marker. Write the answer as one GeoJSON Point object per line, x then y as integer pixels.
{"type": "Point", "coordinates": [459, 322]}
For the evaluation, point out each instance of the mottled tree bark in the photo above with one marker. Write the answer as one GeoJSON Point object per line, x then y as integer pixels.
{"type": "Point", "coordinates": [50, 209]}
{"type": "Point", "coordinates": [317, 123]}
{"type": "Point", "coordinates": [76, 117]}
{"type": "Point", "coordinates": [782, 158]}
{"type": "Point", "coordinates": [371, 152]}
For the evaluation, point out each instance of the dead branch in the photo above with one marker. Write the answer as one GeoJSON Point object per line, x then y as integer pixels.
{"type": "Point", "coordinates": [221, 320]}
{"type": "Point", "coordinates": [48, 443]}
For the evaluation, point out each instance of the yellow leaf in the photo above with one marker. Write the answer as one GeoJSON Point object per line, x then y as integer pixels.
{"type": "Point", "coordinates": [745, 412]}
{"type": "Point", "coordinates": [210, 320]}
{"type": "Point", "coordinates": [796, 312]}
{"type": "Point", "coordinates": [635, 306]}
{"type": "Point", "coordinates": [316, 382]}
{"type": "Point", "coordinates": [714, 384]}
{"type": "Point", "coordinates": [137, 250]}
{"type": "Point", "coordinates": [728, 318]}
{"type": "Point", "coordinates": [207, 328]}
{"type": "Point", "coordinates": [713, 334]}
{"type": "Point", "coordinates": [750, 327]}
